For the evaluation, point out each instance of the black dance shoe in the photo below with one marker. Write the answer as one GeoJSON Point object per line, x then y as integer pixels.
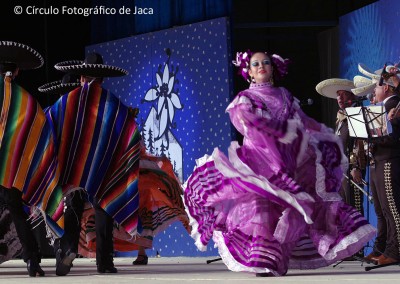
{"type": "Point", "coordinates": [64, 262]}
{"type": "Point", "coordinates": [33, 267]}
{"type": "Point", "coordinates": [141, 260]}
{"type": "Point", "coordinates": [106, 269]}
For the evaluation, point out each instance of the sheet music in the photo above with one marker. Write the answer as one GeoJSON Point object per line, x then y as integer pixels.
{"type": "Point", "coordinates": [375, 122]}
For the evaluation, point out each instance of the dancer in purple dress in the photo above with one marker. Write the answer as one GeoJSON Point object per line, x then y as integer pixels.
{"type": "Point", "coordinates": [273, 203]}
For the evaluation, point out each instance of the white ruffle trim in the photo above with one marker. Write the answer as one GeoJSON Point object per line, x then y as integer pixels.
{"type": "Point", "coordinates": [347, 246]}
{"type": "Point", "coordinates": [192, 222]}
{"type": "Point", "coordinates": [320, 185]}
{"type": "Point", "coordinates": [230, 262]}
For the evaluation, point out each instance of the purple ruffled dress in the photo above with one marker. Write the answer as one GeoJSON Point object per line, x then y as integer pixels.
{"type": "Point", "coordinates": [273, 204]}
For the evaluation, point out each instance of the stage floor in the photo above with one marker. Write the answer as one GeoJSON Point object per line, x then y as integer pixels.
{"type": "Point", "coordinates": [193, 270]}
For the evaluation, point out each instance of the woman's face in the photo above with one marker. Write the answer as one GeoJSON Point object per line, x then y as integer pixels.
{"type": "Point", "coordinates": [260, 67]}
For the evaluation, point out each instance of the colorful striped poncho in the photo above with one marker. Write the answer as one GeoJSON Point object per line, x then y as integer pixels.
{"type": "Point", "coordinates": [98, 150]}
{"type": "Point", "coordinates": [27, 149]}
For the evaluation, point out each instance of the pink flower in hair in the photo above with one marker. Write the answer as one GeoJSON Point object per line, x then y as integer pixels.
{"type": "Point", "coordinates": [243, 62]}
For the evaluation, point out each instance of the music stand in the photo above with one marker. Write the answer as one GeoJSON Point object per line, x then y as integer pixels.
{"type": "Point", "coordinates": [367, 122]}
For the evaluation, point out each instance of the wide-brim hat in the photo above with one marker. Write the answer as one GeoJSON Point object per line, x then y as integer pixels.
{"type": "Point", "coordinates": [367, 71]}
{"type": "Point", "coordinates": [68, 83]}
{"type": "Point", "coordinates": [374, 75]}
{"type": "Point", "coordinates": [92, 66]}
{"type": "Point", "coordinates": [361, 81]}
{"type": "Point", "coordinates": [329, 87]}
{"type": "Point", "coordinates": [364, 85]}
{"type": "Point", "coordinates": [25, 57]}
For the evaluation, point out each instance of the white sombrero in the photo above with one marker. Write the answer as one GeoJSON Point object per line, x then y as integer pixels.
{"type": "Point", "coordinates": [375, 75]}
{"type": "Point", "coordinates": [370, 74]}
{"type": "Point", "coordinates": [329, 87]}
{"type": "Point", "coordinates": [92, 66]}
{"type": "Point", "coordinates": [364, 85]}
{"type": "Point", "coordinates": [67, 84]}
{"type": "Point", "coordinates": [23, 56]}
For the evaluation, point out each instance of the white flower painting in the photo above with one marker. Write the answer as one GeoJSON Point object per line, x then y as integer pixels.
{"type": "Point", "coordinates": [156, 132]}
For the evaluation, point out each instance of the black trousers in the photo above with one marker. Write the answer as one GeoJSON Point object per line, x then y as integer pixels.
{"type": "Point", "coordinates": [385, 188]}
{"type": "Point", "coordinates": [73, 209]}
{"type": "Point", "coordinates": [13, 199]}
{"type": "Point", "coordinates": [74, 203]}
{"type": "Point", "coordinates": [104, 236]}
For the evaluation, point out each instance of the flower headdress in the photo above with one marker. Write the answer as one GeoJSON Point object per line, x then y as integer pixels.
{"type": "Point", "coordinates": [243, 63]}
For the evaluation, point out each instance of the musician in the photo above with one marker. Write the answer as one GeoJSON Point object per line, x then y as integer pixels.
{"type": "Point", "coordinates": [340, 89]}
{"type": "Point", "coordinates": [385, 179]}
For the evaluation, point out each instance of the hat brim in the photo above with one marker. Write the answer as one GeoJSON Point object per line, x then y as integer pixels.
{"type": "Point", "coordinates": [20, 54]}
{"type": "Point", "coordinates": [367, 72]}
{"type": "Point", "coordinates": [364, 90]}
{"type": "Point", "coordinates": [361, 81]}
{"type": "Point", "coordinates": [329, 87]}
{"type": "Point", "coordinates": [91, 70]}
{"type": "Point", "coordinates": [376, 75]}
{"type": "Point", "coordinates": [58, 87]}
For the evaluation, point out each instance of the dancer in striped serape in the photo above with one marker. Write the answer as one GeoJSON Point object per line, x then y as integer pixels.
{"type": "Point", "coordinates": [274, 203]}
{"type": "Point", "coordinates": [27, 153]}
{"type": "Point", "coordinates": [98, 157]}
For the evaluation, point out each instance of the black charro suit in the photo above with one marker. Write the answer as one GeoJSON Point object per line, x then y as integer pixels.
{"type": "Point", "coordinates": [385, 187]}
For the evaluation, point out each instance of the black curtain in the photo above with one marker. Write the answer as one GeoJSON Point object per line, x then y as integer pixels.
{"type": "Point", "coordinates": [329, 58]}
{"type": "Point", "coordinates": [166, 14]}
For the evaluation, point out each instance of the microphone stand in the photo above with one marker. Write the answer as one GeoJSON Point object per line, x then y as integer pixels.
{"type": "Point", "coordinates": [213, 260]}
{"type": "Point", "coordinates": [360, 188]}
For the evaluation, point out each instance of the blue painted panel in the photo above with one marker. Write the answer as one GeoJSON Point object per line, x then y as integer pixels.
{"type": "Point", "coordinates": [181, 81]}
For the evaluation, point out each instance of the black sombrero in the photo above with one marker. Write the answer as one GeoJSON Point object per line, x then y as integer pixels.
{"type": "Point", "coordinates": [20, 54]}
{"type": "Point", "coordinates": [67, 84]}
{"type": "Point", "coordinates": [92, 67]}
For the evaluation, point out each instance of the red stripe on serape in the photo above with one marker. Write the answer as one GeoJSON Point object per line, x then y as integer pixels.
{"type": "Point", "coordinates": [85, 141]}
{"type": "Point", "coordinates": [130, 224]}
{"type": "Point", "coordinates": [68, 129]}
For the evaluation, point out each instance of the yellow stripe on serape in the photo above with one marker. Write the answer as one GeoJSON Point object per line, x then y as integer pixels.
{"type": "Point", "coordinates": [30, 148]}
{"type": "Point", "coordinates": [5, 107]}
